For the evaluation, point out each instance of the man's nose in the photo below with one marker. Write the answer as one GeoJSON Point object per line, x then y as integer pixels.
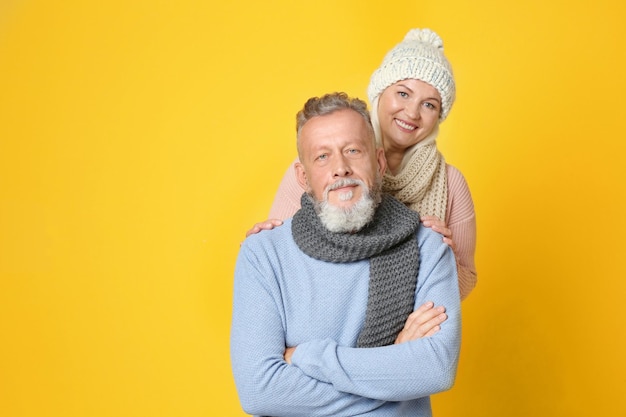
{"type": "Point", "coordinates": [342, 167]}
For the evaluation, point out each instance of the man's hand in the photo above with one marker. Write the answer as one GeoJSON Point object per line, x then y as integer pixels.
{"type": "Point", "coordinates": [268, 224]}
{"type": "Point", "coordinates": [288, 352]}
{"type": "Point", "coordinates": [423, 322]}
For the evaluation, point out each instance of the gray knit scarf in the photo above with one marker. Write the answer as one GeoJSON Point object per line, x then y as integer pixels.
{"type": "Point", "coordinates": [389, 242]}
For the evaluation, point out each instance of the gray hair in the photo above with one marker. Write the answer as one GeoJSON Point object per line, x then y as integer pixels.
{"type": "Point", "coordinates": [328, 104]}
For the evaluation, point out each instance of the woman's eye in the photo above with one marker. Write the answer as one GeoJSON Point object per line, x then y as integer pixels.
{"type": "Point", "coordinates": [403, 94]}
{"type": "Point", "coordinates": [430, 106]}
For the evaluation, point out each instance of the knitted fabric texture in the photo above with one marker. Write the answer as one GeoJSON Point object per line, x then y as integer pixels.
{"type": "Point", "coordinates": [422, 182]}
{"type": "Point", "coordinates": [419, 56]}
{"type": "Point", "coordinates": [389, 242]}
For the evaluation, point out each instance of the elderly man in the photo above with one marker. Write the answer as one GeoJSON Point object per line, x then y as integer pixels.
{"type": "Point", "coordinates": [322, 322]}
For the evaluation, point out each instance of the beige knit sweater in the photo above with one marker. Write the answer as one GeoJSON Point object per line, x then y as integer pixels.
{"type": "Point", "coordinates": [459, 213]}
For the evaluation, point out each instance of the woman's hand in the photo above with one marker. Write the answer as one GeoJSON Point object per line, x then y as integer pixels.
{"type": "Point", "coordinates": [440, 227]}
{"type": "Point", "coordinates": [266, 225]}
{"type": "Point", "coordinates": [423, 322]}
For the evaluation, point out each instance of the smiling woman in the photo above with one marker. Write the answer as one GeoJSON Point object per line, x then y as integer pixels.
{"type": "Point", "coordinates": [409, 111]}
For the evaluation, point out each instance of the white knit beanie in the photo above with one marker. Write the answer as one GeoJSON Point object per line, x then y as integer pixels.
{"type": "Point", "coordinates": [419, 56]}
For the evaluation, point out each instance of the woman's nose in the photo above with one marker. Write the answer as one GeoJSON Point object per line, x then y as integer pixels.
{"type": "Point", "coordinates": [412, 110]}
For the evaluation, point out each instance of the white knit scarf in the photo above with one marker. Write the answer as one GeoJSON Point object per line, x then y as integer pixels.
{"type": "Point", "coordinates": [421, 183]}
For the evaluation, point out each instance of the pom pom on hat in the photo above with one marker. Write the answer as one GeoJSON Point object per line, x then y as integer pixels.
{"type": "Point", "coordinates": [419, 56]}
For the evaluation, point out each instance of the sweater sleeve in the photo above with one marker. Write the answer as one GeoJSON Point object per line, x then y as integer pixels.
{"type": "Point", "coordinates": [287, 199]}
{"type": "Point", "coordinates": [403, 371]}
{"type": "Point", "coordinates": [461, 220]}
{"type": "Point", "coordinates": [266, 384]}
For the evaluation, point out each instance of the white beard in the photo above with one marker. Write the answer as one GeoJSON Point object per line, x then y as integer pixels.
{"type": "Point", "coordinates": [350, 219]}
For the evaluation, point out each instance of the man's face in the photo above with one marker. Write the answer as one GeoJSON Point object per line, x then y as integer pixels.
{"type": "Point", "coordinates": [335, 147]}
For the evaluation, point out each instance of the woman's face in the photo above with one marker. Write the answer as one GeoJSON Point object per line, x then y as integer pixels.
{"type": "Point", "coordinates": [408, 111]}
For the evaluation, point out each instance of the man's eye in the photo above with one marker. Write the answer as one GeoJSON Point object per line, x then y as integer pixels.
{"type": "Point", "coordinates": [322, 157]}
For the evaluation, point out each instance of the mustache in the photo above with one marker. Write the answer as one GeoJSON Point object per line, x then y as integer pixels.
{"type": "Point", "coordinates": [344, 182]}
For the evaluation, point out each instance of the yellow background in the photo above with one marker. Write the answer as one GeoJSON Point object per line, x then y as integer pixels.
{"type": "Point", "coordinates": [139, 140]}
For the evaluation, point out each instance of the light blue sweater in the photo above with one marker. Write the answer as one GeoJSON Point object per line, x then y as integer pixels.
{"type": "Point", "coordinates": [282, 297]}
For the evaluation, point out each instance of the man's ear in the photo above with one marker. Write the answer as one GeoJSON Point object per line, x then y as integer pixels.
{"type": "Point", "coordinates": [382, 161]}
{"type": "Point", "coordinates": [301, 175]}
